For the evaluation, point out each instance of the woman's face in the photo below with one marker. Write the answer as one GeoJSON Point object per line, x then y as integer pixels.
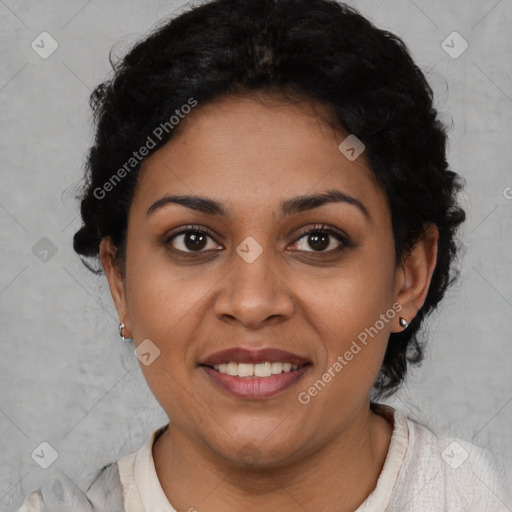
{"type": "Point", "coordinates": [258, 280]}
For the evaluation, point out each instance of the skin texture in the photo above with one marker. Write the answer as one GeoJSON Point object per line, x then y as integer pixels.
{"type": "Point", "coordinates": [221, 452]}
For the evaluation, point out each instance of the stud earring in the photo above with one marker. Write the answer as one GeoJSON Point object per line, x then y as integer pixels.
{"type": "Point", "coordinates": [403, 323]}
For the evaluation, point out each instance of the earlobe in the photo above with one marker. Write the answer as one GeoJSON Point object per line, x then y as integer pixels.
{"type": "Point", "coordinates": [415, 274]}
{"type": "Point", "coordinates": [114, 277]}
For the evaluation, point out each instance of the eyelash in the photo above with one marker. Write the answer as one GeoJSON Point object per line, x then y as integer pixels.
{"type": "Point", "coordinates": [345, 242]}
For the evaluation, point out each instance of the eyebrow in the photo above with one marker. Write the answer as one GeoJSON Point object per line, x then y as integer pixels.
{"type": "Point", "coordinates": [287, 207]}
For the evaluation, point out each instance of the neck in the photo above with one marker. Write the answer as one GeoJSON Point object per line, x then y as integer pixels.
{"type": "Point", "coordinates": [336, 477]}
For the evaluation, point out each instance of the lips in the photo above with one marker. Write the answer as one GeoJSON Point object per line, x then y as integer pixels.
{"type": "Point", "coordinates": [254, 388]}
{"type": "Point", "coordinates": [242, 355]}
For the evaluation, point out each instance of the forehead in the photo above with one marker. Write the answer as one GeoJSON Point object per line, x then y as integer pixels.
{"type": "Point", "coordinates": [250, 152]}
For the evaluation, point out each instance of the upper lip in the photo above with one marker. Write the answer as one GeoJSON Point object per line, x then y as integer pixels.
{"type": "Point", "coordinates": [244, 355]}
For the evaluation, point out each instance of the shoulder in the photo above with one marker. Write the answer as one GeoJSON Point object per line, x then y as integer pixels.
{"type": "Point", "coordinates": [443, 472]}
{"type": "Point", "coordinates": [106, 490]}
{"type": "Point", "coordinates": [104, 493]}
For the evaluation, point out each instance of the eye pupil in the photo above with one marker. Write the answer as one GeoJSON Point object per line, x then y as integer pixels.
{"type": "Point", "coordinates": [194, 240]}
{"type": "Point", "coordinates": [319, 240]}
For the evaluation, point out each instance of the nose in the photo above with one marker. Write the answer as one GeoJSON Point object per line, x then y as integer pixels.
{"type": "Point", "coordinates": [254, 293]}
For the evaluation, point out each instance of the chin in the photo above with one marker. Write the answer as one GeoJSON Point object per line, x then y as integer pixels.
{"type": "Point", "coordinates": [264, 453]}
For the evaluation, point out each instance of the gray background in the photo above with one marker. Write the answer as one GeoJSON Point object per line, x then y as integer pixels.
{"type": "Point", "coordinates": [66, 377]}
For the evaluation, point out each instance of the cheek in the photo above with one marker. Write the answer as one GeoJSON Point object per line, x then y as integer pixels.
{"type": "Point", "coordinates": [355, 294]}
{"type": "Point", "coordinates": [353, 329]}
{"type": "Point", "coordinates": [162, 298]}
{"type": "Point", "coordinates": [166, 305]}
{"type": "Point", "coordinates": [354, 316]}
{"type": "Point", "coordinates": [164, 310]}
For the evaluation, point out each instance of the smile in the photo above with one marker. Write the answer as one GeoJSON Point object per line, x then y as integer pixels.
{"type": "Point", "coordinates": [253, 381]}
{"type": "Point", "coordinates": [257, 370]}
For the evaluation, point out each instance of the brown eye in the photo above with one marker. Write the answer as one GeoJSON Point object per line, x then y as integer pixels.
{"type": "Point", "coordinates": [192, 240]}
{"type": "Point", "coordinates": [320, 240]}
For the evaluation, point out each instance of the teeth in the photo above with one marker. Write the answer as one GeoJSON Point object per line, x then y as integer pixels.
{"type": "Point", "coordinates": [258, 370]}
{"type": "Point", "coordinates": [262, 370]}
{"type": "Point", "coordinates": [245, 370]}
{"type": "Point", "coordinates": [231, 368]}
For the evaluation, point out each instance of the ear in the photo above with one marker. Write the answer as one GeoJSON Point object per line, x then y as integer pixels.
{"type": "Point", "coordinates": [414, 275]}
{"type": "Point", "coordinates": [115, 280]}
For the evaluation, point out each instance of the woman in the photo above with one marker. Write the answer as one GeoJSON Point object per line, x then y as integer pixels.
{"type": "Point", "coordinates": [269, 197]}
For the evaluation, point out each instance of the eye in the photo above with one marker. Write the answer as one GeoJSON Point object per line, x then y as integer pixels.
{"type": "Point", "coordinates": [194, 239]}
{"type": "Point", "coordinates": [191, 239]}
{"type": "Point", "coordinates": [320, 238]}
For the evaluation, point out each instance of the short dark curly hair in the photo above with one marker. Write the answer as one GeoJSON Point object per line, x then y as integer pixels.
{"type": "Point", "coordinates": [321, 50]}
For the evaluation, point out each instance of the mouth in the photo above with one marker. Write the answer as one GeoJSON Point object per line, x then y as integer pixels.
{"type": "Point", "coordinates": [254, 374]}
{"type": "Point", "coordinates": [245, 370]}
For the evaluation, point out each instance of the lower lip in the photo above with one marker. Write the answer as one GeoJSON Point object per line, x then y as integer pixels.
{"type": "Point", "coordinates": [256, 387]}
